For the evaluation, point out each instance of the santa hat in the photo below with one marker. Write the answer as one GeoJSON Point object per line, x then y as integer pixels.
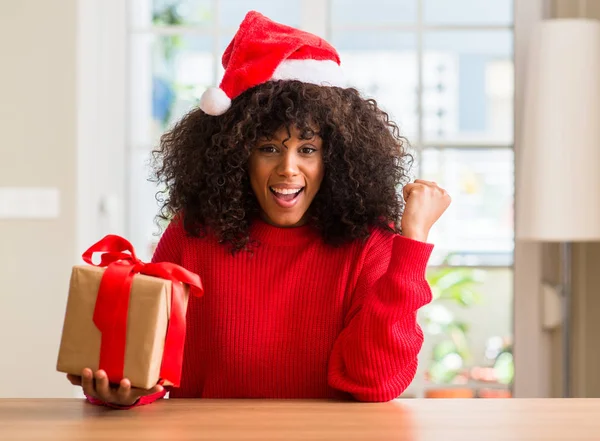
{"type": "Point", "coordinates": [263, 50]}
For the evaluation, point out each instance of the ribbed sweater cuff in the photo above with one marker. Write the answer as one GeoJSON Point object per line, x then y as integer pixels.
{"type": "Point", "coordinates": [410, 257]}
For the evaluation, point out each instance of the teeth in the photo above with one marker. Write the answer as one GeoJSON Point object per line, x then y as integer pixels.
{"type": "Point", "coordinates": [285, 190]}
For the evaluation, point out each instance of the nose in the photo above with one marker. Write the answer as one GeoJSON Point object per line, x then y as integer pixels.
{"type": "Point", "coordinates": [288, 166]}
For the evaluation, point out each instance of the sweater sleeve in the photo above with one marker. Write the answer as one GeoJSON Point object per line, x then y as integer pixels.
{"type": "Point", "coordinates": [168, 250]}
{"type": "Point", "coordinates": [375, 356]}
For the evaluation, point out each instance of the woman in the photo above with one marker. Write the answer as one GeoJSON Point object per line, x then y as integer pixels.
{"type": "Point", "coordinates": [283, 198]}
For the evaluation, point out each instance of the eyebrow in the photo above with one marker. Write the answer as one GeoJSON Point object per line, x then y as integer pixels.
{"type": "Point", "coordinates": [302, 137]}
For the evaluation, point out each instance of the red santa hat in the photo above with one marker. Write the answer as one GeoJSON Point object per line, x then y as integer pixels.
{"type": "Point", "coordinates": [263, 50]}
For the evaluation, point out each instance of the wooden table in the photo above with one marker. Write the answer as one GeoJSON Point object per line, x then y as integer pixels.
{"type": "Point", "coordinates": [418, 420]}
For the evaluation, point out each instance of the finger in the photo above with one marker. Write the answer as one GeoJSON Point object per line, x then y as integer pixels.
{"type": "Point", "coordinates": [447, 197]}
{"type": "Point", "coordinates": [137, 393]}
{"type": "Point", "coordinates": [74, 379]}
{"type": "Point", "coordinates": [87, 383]}
{"type": "Point", "coordinates": [406, 190]}
{"type": "Point", "coordinates": [102, 386]}
{"type": "Point", "coordinates": [411, 189]}
{"type": "Point", "coordinates": [424, 182]}
{"type": "Point", "coordinates": [124, 392]}
{"type": "Point", "coordinates": [156, 389]}
{"type": "Point", "coordinates": [441, 191]}
{"type": "Point", "coordinates": [128, 395]}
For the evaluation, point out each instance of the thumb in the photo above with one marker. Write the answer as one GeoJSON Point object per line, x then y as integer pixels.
{"type": "Point", "coordinates": [406, 191]}
{"type": "Point", "coordinates": [143, 392]}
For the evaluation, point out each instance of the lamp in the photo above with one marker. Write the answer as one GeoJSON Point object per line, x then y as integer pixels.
{"type": "Point", "coordinates": [559, 171]}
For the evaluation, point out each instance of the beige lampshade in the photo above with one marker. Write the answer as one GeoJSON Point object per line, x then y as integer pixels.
{"type": "Point", "coordinates": [558, 179]}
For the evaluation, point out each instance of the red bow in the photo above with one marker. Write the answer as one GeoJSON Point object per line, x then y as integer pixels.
{"type": "Point", "coordinates": [112, 305]}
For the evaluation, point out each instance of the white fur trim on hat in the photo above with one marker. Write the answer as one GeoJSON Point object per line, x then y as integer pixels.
{"type": "Point", "coordinates": [214, 101]}
{"type": "Point", "coordinates": [320, 72]}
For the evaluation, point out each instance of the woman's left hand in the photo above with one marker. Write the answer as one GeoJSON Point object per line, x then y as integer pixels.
{"type": "Point", "coordinates": [425, 203]}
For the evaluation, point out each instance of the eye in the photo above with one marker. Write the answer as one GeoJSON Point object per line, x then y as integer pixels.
{"type": "Point", "coordinates": [307, 150]}
{"type": "Point", "coordinates": [267, 149]}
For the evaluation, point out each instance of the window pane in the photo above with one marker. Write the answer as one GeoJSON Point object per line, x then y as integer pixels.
{"type": "Point", "coordinates": [468, 12]}
{"type": "Point", "coordinates": [468, 87]}
{"type": "Point", "coordinates": [383, 65]}
{"type": "Point", "coordinates": [374, 12]}
{"type": "Point", "coordinates": [168, 76]}
{"type": "Point", "coordinates": [145, 13]}
{"type": "Point", "coordinates": [468, 332]}
{"type": "Point", "coordinates": [224, 40]}
{"type": "Point", "coordinates": [142, 206]}
{"type": "Point", "coordinates": [232, 12]}
{"type": "Point", "coordinates": [477, 229]}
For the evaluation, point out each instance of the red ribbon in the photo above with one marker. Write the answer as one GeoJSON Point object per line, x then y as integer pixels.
{"type": "Point", "coordinates": [112, 305]}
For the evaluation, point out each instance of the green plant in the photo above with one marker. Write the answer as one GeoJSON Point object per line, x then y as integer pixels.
{"type": "Point", "coordinates": [166, 48]}
{"type": "Point", "coordinates": [504, 367]}
{"type": "Point", "coordinates": [168, 92]}
{"type": "Point", "coordinates": [499, 353]}
{"type": "Point", "coordinates": [451, 352]}
{"type": "Point", "coordinates": [168, 15]}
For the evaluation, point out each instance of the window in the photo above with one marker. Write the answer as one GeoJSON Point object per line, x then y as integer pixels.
{"type": "Point", "coordinates": [444, 71]}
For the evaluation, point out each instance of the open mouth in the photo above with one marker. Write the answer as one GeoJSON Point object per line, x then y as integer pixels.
{"type": "Point", "coordinates": [286, 194]}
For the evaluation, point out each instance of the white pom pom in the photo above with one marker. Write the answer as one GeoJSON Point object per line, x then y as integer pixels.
{"type": "Point", "coordinates": [214, 101]}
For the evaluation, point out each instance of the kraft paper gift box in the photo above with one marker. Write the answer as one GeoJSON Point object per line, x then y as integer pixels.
{"type": "Point", "coordinates": [142, 321]}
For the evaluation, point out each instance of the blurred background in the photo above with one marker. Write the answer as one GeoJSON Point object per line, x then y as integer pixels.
{"type": "Point", "coordinates": [87, 87]}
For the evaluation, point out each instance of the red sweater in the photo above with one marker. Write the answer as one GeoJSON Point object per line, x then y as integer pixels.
{"type": "Point", "coordinates": [298, 318]}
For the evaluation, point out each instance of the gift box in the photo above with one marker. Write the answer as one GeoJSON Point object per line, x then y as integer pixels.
{"type": "Point", "coordinates": [126, 317]}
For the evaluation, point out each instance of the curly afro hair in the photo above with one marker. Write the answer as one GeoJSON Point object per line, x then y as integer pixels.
{"type": "Point", "coordinates": [202, 161]}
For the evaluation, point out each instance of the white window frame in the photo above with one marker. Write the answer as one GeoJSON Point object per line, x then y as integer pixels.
{"type": "Point", "coordinates": [101, 110]}
{"type": "Point", "coordinates": [531, 350]}
{"type": "Point", "coordinates": [103, 156]}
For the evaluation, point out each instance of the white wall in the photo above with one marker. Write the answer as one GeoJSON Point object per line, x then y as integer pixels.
{"type": "Point", "coordinates": [37, 149]}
